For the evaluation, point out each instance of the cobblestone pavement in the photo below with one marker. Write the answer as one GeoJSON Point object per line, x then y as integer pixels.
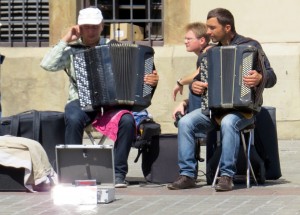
{"type": "Point", "coordinates": [280, 196]}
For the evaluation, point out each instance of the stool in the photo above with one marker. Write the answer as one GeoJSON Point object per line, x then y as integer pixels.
{"type": "Point", "coordinates": [246, 147]}
{"type": "Point", "coordinates": [88, 130]}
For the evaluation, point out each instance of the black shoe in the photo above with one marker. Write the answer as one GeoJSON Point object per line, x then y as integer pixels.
{"type": "Point", "coordinates": [224, 184]}
{"type": "Point", "coordinates": [120, 183]}
{"type": "Point", "coordinates": [183, 182]}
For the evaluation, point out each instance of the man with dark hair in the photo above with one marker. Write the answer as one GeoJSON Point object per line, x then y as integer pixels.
{"type": "Point", "coordinates": [221, 29]}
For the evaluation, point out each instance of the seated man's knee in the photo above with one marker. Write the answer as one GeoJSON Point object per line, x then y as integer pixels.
{"type": "Point", "coordinates": [184, 122]}
{"type": "Point", "coordinates": [228, 122]}
{"type": "Point", "coordinates": [127, 120]}
{"type": "Point", "coordinates": [74, 118]}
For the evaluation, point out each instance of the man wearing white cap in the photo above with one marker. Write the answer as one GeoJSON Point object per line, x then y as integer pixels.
{"type": "Point", "coordinates": [87, 34]}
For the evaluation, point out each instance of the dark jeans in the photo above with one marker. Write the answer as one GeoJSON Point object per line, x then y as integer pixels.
{"type": "Point", "coordinates": [76, 120]}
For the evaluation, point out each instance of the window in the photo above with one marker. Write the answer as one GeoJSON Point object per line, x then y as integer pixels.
{"type": "Point", "coordinates": [24, 23]}
{"type": "Point", "coordinates": [131, 21]}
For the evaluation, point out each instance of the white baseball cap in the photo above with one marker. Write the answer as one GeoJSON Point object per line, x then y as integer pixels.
{"type": "Point", "coordinates": [90, 16]}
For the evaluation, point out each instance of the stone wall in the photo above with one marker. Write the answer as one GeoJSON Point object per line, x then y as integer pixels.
{"type": "Point", "coordinates": [25, 86]}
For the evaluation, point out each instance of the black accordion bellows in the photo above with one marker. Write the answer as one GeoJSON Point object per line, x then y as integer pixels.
{"type": "Point", "coordinates": [226, 67]}
{"type": "Point", "coordinates": [113, 75]}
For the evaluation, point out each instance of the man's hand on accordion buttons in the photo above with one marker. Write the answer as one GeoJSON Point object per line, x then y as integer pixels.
{"type": "Point", "coordinates": [253, 79]}
{"type": "Point", "coordinates": [152, 79]}
{"type": "Point", "coordinates": [199, 87]}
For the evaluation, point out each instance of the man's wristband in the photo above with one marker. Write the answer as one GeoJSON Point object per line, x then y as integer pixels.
{"type": "Point", "coordinates": [178, 83]}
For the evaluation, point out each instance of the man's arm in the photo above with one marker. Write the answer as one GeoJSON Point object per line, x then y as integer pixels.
{"type": "Point", "coordinates": [59, 57]}
{"type": "Point", "coordinates": [255, 77]}
{"type": "Point", "coordinates": [184, 81]}
{"type": "Point", "coordinates": [270, 78]}
{"type": "Point", "coordinates": [180, 108]}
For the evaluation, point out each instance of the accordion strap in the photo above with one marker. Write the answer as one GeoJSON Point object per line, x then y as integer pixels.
{"type": "Point", "coordinates": [71, 78]}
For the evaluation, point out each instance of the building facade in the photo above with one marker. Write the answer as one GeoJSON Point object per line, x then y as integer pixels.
{"type": "Point", "coordinates": [25, 86]}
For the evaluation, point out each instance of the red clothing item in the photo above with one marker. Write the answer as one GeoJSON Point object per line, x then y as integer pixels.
{"type": "Point", "coordinates": [108, 123]}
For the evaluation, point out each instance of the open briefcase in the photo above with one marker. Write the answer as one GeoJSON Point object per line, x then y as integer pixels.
{"type": "Point", "coordinates": [84, 163]}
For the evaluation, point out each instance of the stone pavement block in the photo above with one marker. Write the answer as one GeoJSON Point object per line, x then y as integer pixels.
{"type": "Point", "coordinates": [280, 196]}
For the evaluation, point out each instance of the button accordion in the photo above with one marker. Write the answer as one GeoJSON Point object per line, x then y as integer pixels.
{"type": "Point", "coordinates": [226, 67]}
{"type": "Point", "coordinates": [113, 75]}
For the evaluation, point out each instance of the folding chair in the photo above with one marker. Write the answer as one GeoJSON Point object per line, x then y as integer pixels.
{"type": "Point", "coordinates": [246, 147]}
{"type": "Point", "coordinates": [88, 130]}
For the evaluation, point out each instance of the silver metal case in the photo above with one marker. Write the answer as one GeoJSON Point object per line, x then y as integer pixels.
{"type": "Point", "coordinates": [85, 162]}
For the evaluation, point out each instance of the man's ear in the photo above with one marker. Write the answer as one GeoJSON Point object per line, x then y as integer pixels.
{"type": "Point", "coordinates": [102, 26]}
{"type": "Point", "coordinates": [202, 40]}
{"type": "Point", "coordinates": [227, 28]}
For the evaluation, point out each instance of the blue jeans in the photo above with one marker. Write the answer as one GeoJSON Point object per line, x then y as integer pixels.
{"type": "Point", "coordinates": [196, 122]}
{"type": "Point", "coordinates": [76, 120]}
{"type": "Point", "coordinates": [194, 102]}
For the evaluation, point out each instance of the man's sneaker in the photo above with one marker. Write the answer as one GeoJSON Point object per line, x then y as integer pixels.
{"type": "Point", "coordinates": [120, 183]}
{"type": "Point", "coordinates": [183, 182]}
{"type": "Point", "coordinates": [224, 184]}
